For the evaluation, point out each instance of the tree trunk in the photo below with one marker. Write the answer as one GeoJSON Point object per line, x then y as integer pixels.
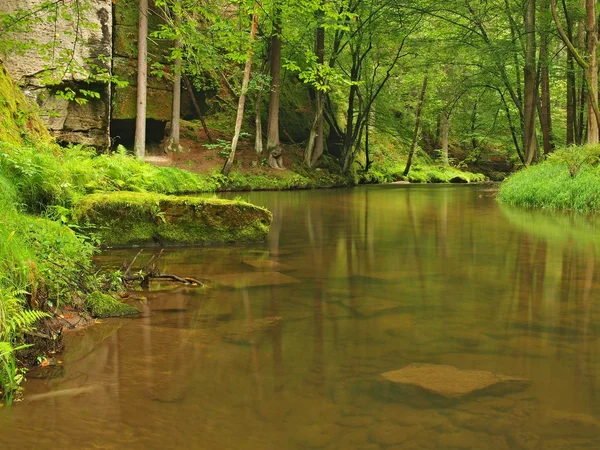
{"type": "Point", "coordinates": [142, 79]}
{"type": "Point", "coordinates": [415, 138]}
{"type": "Point", "coordinates": [571, 83]}
{"type": "Point", "coordinates": [592, 72]}
{"type": "Point", "coordinates": [258, 140]}
{"type": "Point", "coordinates": [530, 146]}
{"type": "Point", "coordinates": [474, 141]}
{"type": "Point", "coordinates": [445, 136]}
{"type": "Point", "coordinates": [545, 111]}
{"type": "Point", "coordinates": [315, 146]}
{"type": "Point", "coordinates": [273, 143]}
{"type": "Point", "coordinates": [176, 109]}
{"type": "Point", "coordinates": [240, 111]}
{"type": "Point", "coordinates": [190, 89]}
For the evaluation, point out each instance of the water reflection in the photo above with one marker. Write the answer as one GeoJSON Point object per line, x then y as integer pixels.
{"type": "Point", "coordinates": [365, 281]}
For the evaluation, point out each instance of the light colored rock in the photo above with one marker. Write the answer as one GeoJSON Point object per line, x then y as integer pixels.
{"type": "Point", "coordinates": [90, 39]}
{"type": "Point", "coordinates": [450, 382]}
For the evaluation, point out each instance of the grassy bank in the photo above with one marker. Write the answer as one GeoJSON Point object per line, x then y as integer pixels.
{"type": "Point", "coordinates": [568, 180]}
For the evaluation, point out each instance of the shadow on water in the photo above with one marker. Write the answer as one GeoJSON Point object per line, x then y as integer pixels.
{"type": "Point", "coordinates": [286, 346]}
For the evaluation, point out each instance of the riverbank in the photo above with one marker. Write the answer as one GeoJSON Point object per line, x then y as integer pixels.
{"type": "Point", "coordinates": [567, 180]}
{"type": "Point", "coordinates": [46, 247]}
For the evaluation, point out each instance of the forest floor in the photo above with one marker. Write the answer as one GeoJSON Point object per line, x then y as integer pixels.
{"type": "Point", "coordinates": [251, 171]}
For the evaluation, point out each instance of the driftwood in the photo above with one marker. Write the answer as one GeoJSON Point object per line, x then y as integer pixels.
{"type": "Point", "coordinates": [151, 272]}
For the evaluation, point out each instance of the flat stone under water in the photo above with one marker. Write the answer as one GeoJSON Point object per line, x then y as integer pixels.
{"type": "Point", "coordinates": [375, 280]}
{"type": "Point", "coordinates": [450, 382]}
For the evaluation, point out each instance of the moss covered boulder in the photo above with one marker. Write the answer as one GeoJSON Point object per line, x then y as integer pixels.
{"type": "Point", "coordinates": [102, 305]}
{"type": "Point", "coordinates": [131, 218]}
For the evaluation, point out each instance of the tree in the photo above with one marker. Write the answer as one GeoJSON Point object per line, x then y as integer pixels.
{"type": "Point", "coordinates": [176, 107]}
{"type": "Point", "coordinates": [273, 142]}
{"type": "Point", "coordinates": [140, 120]}
{"type": "Point", "coordinates": [589, 64]}
{"type": "Point", "coordinates": [242, 100]}
{"type": "Point", "coordinates": [415, 139]}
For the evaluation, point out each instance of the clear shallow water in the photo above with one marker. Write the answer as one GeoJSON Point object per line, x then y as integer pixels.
{"type": "Point", "coordinates": [368, 280]}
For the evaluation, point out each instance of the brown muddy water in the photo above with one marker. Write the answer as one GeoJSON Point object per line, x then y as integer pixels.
{"type": "Point", "coordinates": [365, 281]}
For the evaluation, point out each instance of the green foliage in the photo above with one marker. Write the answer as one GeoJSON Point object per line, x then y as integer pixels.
{"type": "Point", "coordinates": [11, 377]}
{"type": "Point", "coordinates": [14, 321]}
{"type": "Point", "coordinates": [568, 180]}
{"type": "Point", "coordinates": [46, 175]}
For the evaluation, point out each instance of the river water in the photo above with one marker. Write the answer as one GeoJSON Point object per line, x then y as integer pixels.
{"type": "Point", "coordinates": [351, 283]}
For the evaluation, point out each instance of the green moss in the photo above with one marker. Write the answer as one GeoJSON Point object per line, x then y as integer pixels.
{"type": "Point", "coordinates": [102, 305]}
{"type": "Point", "coordinates": [18, 121]}
{"type": "Point", "coordinates": [129, 218]}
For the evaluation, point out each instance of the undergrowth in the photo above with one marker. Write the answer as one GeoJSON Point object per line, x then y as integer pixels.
{"type": "Point", "coordinates": [388, 166]}
{"type": "Point", "coordinates": [568, 180]}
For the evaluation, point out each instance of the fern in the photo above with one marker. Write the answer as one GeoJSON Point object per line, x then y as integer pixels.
{"type": "Point", "coordinates": [11, 377]}
{"type": "Point", "coordinates": [23, 321]}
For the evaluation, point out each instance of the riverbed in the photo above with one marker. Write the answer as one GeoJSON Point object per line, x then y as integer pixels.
{"type": "Point", "coordinates": [285, 345]}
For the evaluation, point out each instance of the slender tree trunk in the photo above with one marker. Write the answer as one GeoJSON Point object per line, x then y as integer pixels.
{"type": "Point", "coordinates": [367, 134]}
{"type": "Point", "coordinates": [273, 143]}
{"type": "Point", "coordinates": [445, 137]}
{"type": "Point", "coordinates": [258, 140]}
{"type": "Point", "coordinates": [545, 108]}
{"type": "Point", "coordinates": [190, 89]}
{"type": "Point", "coordinates": [571, 101]}
{"type": "Point", "coordinates": [176, 109]}
{"type": "Point", "coordinates": [315, 146]}
{"type": "Point", "coordinates": [246, 80]}
{"type": "Point", "coordinates": [142, 80]}
{"type": "Point", "coordinates": [415, 139]}
{"type": "Point", "coordinates": [593, 135]}
{"type": "Point", "coordinates": [581, 124]}
{"type": "Point", "coordinates": [530, 104]}
{"type": "Point", "coordinates": [474, 141]}
{"type": "Point", "coordinates": [571, 83]}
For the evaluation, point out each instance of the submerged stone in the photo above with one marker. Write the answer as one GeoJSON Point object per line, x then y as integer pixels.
{"type": "Point", "coordinates": [102, 305]}
{"type": "Point", "coordinates": [266, 264]}
{"type": "Point", "coordinates": [253, 332]}
{"type": "Point", "coordinates": [370, 306]}
{"type": "Point", "coordinates": [452, 383]}
{"type": "Point", "coordinates": [252, 279]}
{"type": "Point", "coordinates": [132, 218]}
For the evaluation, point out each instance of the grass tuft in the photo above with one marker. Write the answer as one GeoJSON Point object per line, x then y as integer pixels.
{"type": "Point", "coordinates": [568, 180]}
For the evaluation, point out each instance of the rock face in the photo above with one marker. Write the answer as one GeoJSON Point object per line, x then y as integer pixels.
{"type": "Point", "coordinates": [131, 218]}
{"type": "Point", "coordinates": [90, 41]}
{"type": "Point", "coordinates": [452, 383]}
{"type": "Point", "coordinates": [102, 37]}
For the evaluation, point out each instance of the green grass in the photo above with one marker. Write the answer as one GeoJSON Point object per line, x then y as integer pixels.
{"type": "Point", "coordinates": [568, 180]}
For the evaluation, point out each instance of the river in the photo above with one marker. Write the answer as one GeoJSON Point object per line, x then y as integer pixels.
{"type": "Point", "coordinates": [351, 283]}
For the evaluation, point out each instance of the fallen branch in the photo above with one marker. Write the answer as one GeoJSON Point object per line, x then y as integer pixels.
{"type": "Point", "coordinates": [150, 272]}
